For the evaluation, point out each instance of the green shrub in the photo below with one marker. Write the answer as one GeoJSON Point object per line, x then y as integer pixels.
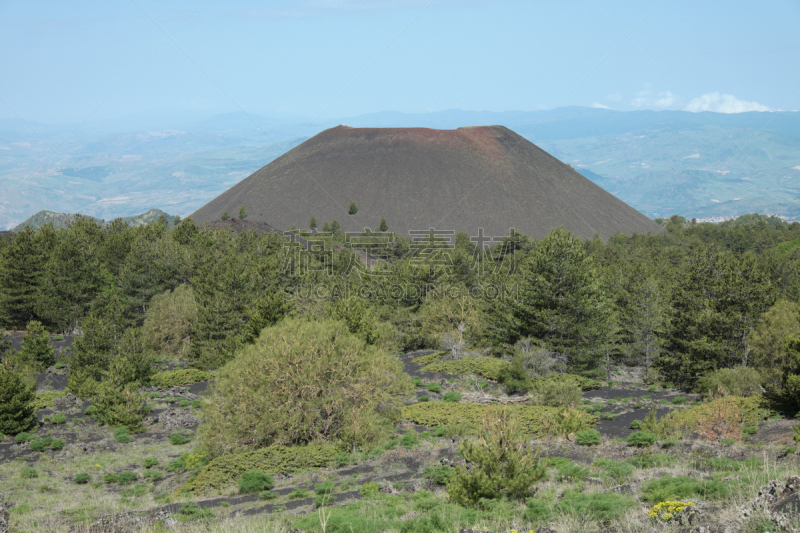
{"type": "Point", "coordinates": [488, 367]}
{"type": "Point", "coordinates": [424, 398]}
{"type": "Point", "coordinates": [255, 481]}
{"type": "Point", "coordinates": [637, 424]}
{"type": "Point", "coordinates": [90, 410]}
{"type": "Point", "coordinates": [502, 465]}
{"type": "Point", "coordinates": [179, 378]}
{"type": "Point", "coordinates": [598, 506]}
{"type": "Point", "coordinates": [226, 470]}
{"type": "Point", "coordinates": [333, 380]}
{"type": "Point", "coordinates": [119, 405]}
{"type": "Point", "coordinates": [176, 465]}
{"type": "Point", "coordinates": [150, 462]}
{"type": "Point", "coordinates": [37, 446]}
{"type": "Point", "coordinates": [109, 478]}
{"type": "Point", "coordinates": [641, 438]}
{"type": "Point", "coordinates": [36, 349]}
{"type": "Point", "coordinates": [323, 500]}
{"type": "Point", "coordinates": [670, 488]}
{"type": "Point", "coordinates": [82, 478]}
{"type": "Point", "coordinates": [588, 437]}
{"type": "Point", "coordinates": [409, 439]}
{"type": "Point", "coordinates": [653, 388]}
{"type": "Point", "coordinates": [417, 381]}
{"type": "Point", "coordinates": [126, 478]}
{"type": "Point", "coordinates": [638, 405]}
{"type": "Point", "coordinates": [46, 400]}
{"type": "Point", "coordinates": [558, 393]}
{"type": "Point", "coordinates": [24, 437]}
{"type": "Point", "coordinates": [439, 431]}
{"type": "Point", "coordinates": [651, 460]}
{"type": "Point", "coordinates": [57, 444]}
{"type": "Point", "coordinates": [536, 421]}
{"type": "Point", "coordinates": [434, 387]}
{"type": "Point", "coordinates": [609, 416]}
{"type": "Point", "coordinates": [268, 495]}
{"type": "Point", "coordinates": [153, 475]}
{"type": "Point", "coordinates": [192, 511]}
{"type": "Point", "coordinates": [177, 439]}
{"type": "Point", "coordinates": [298, 494]}
{"type": "Point", "coordinates": [679, 400]}
{"type": "Point", "coordinates": [58, 418]}
{"type": "Point", "coordinates": [618, 471]}
{"type": "Point", "coordinates": [439, 474]}
{"type": "Point", "coordinates": [571, 472]}
{"type": "Point", "coordinates": [28, 473]}
{"type": "Point", "coordinates": [749, 431]}
{"type": "Point", "coordinates": [737, 381]}
{"type": "Point", "coordinates": [451, 397]}
{"type": "Point", "coordinates": [122, 435]}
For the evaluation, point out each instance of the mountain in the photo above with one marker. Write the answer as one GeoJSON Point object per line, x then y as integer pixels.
{"type": "Point", "coordinates": [62, 220]}
{"type": "Point", "coordinates": [461, 180]}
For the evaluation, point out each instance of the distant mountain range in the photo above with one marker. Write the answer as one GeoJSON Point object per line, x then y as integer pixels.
{"type": "Point", "coordinates": [702, 165]}
{"type": "Point", "coordinates": [62, 220]}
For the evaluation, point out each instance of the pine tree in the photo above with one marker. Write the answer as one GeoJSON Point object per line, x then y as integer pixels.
{"type": "Point", "coordinates": [562, 301]}
{"type": "Point", "coordinates": [312, 223]}
{"type": "Point", "coordinates": [225, 216]}
{"type": "Point", "coordinates": [383, 226]}
{"type": "Point", "coordinates": [16, 400]}
{"type": "Point", "coordinates": [22, 265]}
{"type": "Point", "coordinates": [353, 208]}
{"type": "Point", "coordinates": [242, 213]}
{"type": "Point", "coordinates": [715, 306]}
{"type": "Point", "coordinates": [36, 349]}
{"type": "Point", "coordinates": [162, 219]}
{"type": "Point", "coordinates": [73, 276]}
{"type": "Point", "coordinates": [176, 221]}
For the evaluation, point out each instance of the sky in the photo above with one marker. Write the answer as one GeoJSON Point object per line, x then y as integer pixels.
{"type": "Point", "coordinates": [73, 62]}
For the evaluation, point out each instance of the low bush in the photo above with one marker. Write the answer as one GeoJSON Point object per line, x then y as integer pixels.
{"type": "Point", "coordinates": [535, 421]}
{"type": "Point", "coordinates": [176, 465]}
{"type": "Point", "coordinates": [679, 400]}
{"type": "Point", "coordinates": [558, 393]}
{"type": "Point", "coordinates": [28, 472]}
{"type": "Point", "coordinates": [670, 488]}
{"type": "Point", "coordinates": [323, 500]}
{"type": "Point", "coordinates": [424, 398]}
{"type": "Point", "coordinates": [652, 460]}
{"type": "Point", "coordinates": [122, 435]}
{"type": "Point", "coordinates": [668, 511]}
{"type": "Point", "coordinates": [153, 475]}
{"type": "Point", "coordinates": [722, 416]}
{"type": "Point", "coordinates": [439, 474]}
{"type": "Point", "coordinates": [588, 437]}
{"type": "Point", "coordinates": [618, 471]}
{"type": "Point", "coordinates": [126, 478]}
{"type": "Point", "coordinates": [192, 511]}
{"type": "Point", "coordinates": [90, 410]}
{"type": "Point", "coordinates": [226, 470]}
{"type": "Point", "coordinates": [150, 462]}
{"type": "Point", "coordinates": [488, 367]}
{"type": "Point", "coordinates": [110, 478]}
{"type": "Point", "coordinates": [409, 439]}
{"type": "Point", "coordinates": [57, 444]}
{"type": "Point", "coordinates": [749, 431]}
{"type": "Point", "coordinates": [641, 438]}
{"type": "Point", "coordinates": [176, 378]}
{"type": "Point", "coordinates": [298, 494]}
{"type": "Point", "coordinates": [24, 437]}
{"type": "Point", "coordinates": [255, 481]}
{"type": "Point", "coordinates": [82, 478]}
{"type": "Point", "coordinates": [451, 397]}
{"type": "Point", "coordinates": [737, 381]}
{"type": "Point", "coordinates": [268, 495]}
{"type": "Point", "coordinates": [434, 387]}
{"type": "Point", "coordinates": [609, 416]}
{"type": "Point", "coordinates": [37, 446]}
{"type": "Point", "coordinates": [598, 506]}
{"type": "Point", "coordinates": [417, 381]}
{"type": "Point", "coordinates": [178, 440]}
{"type": "Point", "coordinates": [569, 471]}
{"type": "Point", "coordinates": [45, 400]}
{"type": "Point", "coordinates": [583, 383]}
{"type": "Point", "coordinates": [637, 424]}
{"type": "Point", "coordinates": [58, 418]}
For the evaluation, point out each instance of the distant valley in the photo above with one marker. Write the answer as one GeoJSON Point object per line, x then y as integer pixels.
{"type": "Point", "coordinates": [702, 165]}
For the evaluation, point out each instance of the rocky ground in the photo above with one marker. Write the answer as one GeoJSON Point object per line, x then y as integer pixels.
{"type": "Point", "coordinates": [761, 472]}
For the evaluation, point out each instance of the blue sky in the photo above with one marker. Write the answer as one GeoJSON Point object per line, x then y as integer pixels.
{"type": "Point", "coordinates": [69, 61]}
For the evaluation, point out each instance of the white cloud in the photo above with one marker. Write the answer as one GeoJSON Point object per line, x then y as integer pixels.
{"type": "Point", "coordinates": [649, 100]}
{"type": "Point", "coordinates": [598, 105]}
{"type": "Point", "coordinates": [723, 103]}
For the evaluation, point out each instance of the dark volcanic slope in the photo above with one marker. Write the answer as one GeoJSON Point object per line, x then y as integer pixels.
{"type": "Point", "coordinates": [479, 177]}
